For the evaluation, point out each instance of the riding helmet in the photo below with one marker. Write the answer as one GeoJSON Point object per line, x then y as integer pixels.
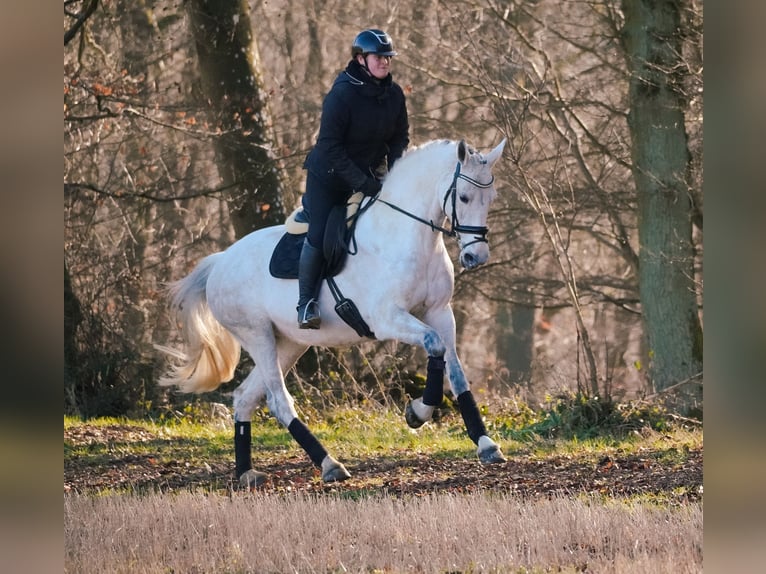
{"type": "Point", "coordinates": [372, 41]}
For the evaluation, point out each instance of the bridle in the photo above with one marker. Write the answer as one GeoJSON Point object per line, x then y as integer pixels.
{"type": "Point", "coordinates": [479, 232]}
{"type": "Point", "coordinates": [456, 229]}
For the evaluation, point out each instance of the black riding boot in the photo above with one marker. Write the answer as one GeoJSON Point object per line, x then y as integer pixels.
{"type": "Point", "coordinates": [309, 278]}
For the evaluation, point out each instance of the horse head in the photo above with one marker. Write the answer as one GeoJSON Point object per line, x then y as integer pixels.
{"type": "Point", "coordinates": [467, 202]}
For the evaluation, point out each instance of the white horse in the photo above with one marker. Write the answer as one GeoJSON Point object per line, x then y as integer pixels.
{"type": "Point", "coordinates": [401, 279]}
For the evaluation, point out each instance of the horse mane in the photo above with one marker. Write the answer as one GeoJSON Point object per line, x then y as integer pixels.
{"type": "Point", "coordinates": [414, 156]}
{"type": "Point", "coordinates": [413, 153]}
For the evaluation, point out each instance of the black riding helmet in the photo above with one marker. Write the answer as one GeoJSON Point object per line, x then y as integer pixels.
{"type": "Point", "coordinates": [372, 41]}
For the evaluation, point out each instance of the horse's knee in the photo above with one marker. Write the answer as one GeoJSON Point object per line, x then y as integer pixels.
{"type": "Point", "coordinates": [433, 344]}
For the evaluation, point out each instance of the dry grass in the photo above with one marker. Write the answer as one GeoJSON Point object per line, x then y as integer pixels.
{"type": "Point", "coordinates": [195, 533]}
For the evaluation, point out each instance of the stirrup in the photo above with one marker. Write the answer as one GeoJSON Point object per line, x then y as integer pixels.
{"type": "Point", "coordinates": [308, 315]}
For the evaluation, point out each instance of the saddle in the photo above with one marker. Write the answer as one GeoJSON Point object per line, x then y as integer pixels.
{"type": "Point", "coordinates": [339, 234]}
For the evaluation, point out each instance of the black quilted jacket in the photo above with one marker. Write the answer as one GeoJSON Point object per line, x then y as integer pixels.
{"type": "Point", "coordinates": [364, 122]}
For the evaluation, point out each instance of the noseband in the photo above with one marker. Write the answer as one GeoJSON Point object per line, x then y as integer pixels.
{"type": "Point", "coordinates": [479, 232]}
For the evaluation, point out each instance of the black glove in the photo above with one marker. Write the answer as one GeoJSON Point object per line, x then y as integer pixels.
{"type": "Point", "coordinates": [371, 187]}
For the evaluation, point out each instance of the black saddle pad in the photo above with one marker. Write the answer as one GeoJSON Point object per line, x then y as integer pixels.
{"type": "Point", "coordinates": [287, 253]}
{"type": "Point", "coordinates": [284, 260]}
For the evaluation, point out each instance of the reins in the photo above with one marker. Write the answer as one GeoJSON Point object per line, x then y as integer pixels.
{"type": "Point", "coordinates": [479, 232]}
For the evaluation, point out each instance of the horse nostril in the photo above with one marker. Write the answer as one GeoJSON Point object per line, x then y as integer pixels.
{"type": "Point", "coordinates": [469, 260]}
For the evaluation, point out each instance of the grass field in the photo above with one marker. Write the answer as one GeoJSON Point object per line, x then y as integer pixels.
{"type": "Point", "coordinates": [144, 496]}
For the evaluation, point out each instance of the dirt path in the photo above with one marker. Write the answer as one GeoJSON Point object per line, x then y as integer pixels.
{"type": "Point", "coordinates": [675, 478]}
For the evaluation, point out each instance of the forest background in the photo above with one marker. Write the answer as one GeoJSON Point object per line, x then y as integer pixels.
{"type": "Point", "coordinates": [733, 347]}
{"type": "Point", "coordinates": [186, 125]}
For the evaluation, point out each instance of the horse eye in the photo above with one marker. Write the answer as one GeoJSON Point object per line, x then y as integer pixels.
{"type": "Point", "coordinates": [464, 198]}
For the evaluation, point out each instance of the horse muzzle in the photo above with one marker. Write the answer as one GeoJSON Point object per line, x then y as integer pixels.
{"type": "Point", "coordinates": [474, 247]}
{"type": "Point", "coordinates": [474, 255]}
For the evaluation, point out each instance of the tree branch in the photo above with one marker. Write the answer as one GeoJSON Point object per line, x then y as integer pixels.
{"type": "Point", "coordinates": [80, 21]}
{"type": "Point", "coordinates": [72, 187]}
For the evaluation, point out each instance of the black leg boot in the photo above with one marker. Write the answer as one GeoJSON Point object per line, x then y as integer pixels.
{"type": "Point", "coordinates": [309, 278]}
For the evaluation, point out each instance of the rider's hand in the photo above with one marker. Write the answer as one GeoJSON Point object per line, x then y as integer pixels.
{"type": "Point", "coordinates": [371, 187]}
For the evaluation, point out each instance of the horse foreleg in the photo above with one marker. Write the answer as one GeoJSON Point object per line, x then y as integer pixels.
{"type": "Point", "coordinates": [404, 327]}
{"type": "Point", "coordinates": [488, 450]}
{"type": "Point", "coordinates": [419, 411]}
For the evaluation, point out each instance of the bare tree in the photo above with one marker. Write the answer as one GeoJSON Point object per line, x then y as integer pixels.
{"type": "Point", "coordinates": [238, 106]}
{"type": "Point", "coordinates": [555, 78]}
{"type": "Point", "coordinates": [179, 137]}
{"type": "Point", "coordinates": [133, 166]}
{"type": "Point", "coordinates": [75, 19]}
{"type": "Point", "coordinates": [661, 168]}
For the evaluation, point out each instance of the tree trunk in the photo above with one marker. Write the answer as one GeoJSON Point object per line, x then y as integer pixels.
{"type": "Point", "coordinates": [515, 342]}
{"type": "Point", "coordinates": [233, 87]}
{"type": "Point", "coordinates": [661, 163]}
{"type": "Point", "coordinates": [72, 320]}
{"type": "Point", "coordinates": [137, 32]}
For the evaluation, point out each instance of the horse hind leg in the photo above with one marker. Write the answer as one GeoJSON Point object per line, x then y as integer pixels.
{"type": "Point", "coordinates": [332, 471]}
{"type": "Point", "coordinates": [281, 405]}
{"type": "Point", "coordinates": [272, 357]}
{"type": "Point", "coordinates": [246, 398]}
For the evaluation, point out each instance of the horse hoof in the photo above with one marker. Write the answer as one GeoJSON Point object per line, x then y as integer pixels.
{"type": "Point", "coordinates": [252, 479]}
{"type": "Point", "coordinates": [333, 471]}
{"type": "Point", "coordinates": [336, 475]}
{"type": "Point", "coordinates": [412, 419]}
{"type": "Point", "coordinates": [491, 455]}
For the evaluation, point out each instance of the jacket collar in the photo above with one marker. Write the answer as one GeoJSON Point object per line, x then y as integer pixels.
{"type": "Point", "coordinates": [358, 76]}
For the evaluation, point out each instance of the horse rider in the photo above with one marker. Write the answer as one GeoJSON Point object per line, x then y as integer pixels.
{"type": "Point", "coordinates": [363, 130]}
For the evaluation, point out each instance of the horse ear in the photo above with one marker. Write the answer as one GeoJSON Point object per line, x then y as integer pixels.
{"type": "Point", "coordinates": [461, 151]}
{"type": "Point", "coordinates": [495, 154]}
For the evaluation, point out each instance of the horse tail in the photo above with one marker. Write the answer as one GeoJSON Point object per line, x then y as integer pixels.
{"type": "Point", "coordinates": [212, 353]}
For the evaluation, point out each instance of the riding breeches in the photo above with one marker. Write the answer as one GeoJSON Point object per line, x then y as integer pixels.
{"type": "Point", "coordinates": [318, 200]}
